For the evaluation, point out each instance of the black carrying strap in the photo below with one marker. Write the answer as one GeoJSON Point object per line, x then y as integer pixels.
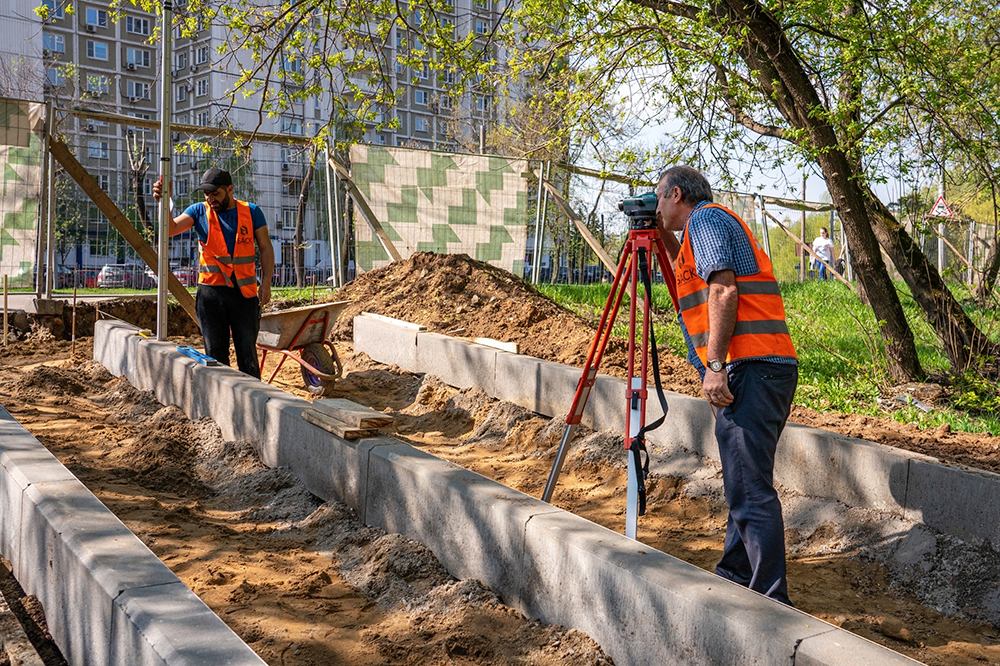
{"type": "Point", "coordinates": [639, 442]}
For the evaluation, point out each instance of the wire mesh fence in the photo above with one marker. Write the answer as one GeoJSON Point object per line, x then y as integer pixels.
{"type": "Point", "coordinates": [290, 182]}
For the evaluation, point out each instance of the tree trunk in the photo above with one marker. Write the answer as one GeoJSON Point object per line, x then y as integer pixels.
{"type": "Point", "coordinates": [962, 339]}
{"type": "Point", "coordinates": [989, 277]}
{"type": "Point", "coordinates": [781, 76]}
{"type": "Point", "coordinates": [140, 201]}
{"type": "Point", "coordinates": [880, 292]}
{"type": "Point", "coordinates": [299, 252]}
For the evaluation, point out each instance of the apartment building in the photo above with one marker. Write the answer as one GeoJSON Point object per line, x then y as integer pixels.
{"type": "Point", "coordinates": [92, 60]}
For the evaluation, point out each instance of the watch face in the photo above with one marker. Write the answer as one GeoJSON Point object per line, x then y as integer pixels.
{"type": "Point", "coordinates": [715, 366]}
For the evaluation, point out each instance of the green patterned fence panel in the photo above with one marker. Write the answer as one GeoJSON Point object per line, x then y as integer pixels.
{"type": "Point", "coordinates": [20, 189]}
{"type": "Point", "coordinates": [442, 202]}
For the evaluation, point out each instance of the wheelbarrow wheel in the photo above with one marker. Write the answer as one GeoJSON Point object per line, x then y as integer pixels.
{"type": "Point", "coordinates": [318, 357]}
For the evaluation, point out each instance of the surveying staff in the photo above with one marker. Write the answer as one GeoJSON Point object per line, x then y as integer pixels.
{"type": "Point", "coordinates": [228, 297]}
{"type": "Point", "coordinates": [733, 321]}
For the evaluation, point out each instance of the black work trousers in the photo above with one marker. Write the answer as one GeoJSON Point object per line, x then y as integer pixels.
{"type": "Point", "coordinates": [747, 432]}
{"type": "Point", "coordinates": [222, 310]}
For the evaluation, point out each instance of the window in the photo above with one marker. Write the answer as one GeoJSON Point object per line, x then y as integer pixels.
{"type": "Point", "coordinates": [380, 139]}
{"type": "Point", "coordinates": [288, 218]}
{"type": "Point", "coordinates": [291, 155]}
{"type": "Point", "coordinates": [446, 102]}
{"type": "Point", "coordinates": [399, 69]}
{"type": "Point", "coordinates": [181, 118]}
{"type": "Point", "coordinates": [401, 42]}
{"type": "Point", "coordinates": [201, 55]}
{"type": "Point", "coordinates": [182, 158]}
{"type": "Point", "coordinates": [291, 126]}
{"type": "Point", "coordinates": [55, 8]}
{"type": "Point", "coordinates": [419, 124]}
{"type": "Point", "coordinates": [98, 17]}
{"type": "Point", "coordinates": [97, 150]}
{"type": "Point", "coordinates": [54, 43]}
{"type": "Point", "coordinates": [181, 186]}
{"type": "Point", "coordinates": [483, 4]}
{"type": "Point", "coordinates": [53, 76]}
{"type": "Point", "coordinates": [137, 57]}
{"type": "Point", "coordinates": [97, 50]}
{"type": "Point", "coordinates": [292, 65]}
{"type": "Point", "coordinates": [400, 141]}
{"type": "Point", "coordinates": [137, 90]}
{"type": "Point", "coordinates": [420, 97]}
{"type": "Point", "coordinates": [202, 89]}
{"type": "Point", "coordinates": [422, 72]}
{"type": "Point", "coordinates": [99, 85]}
{"type": "Point", "coordinates": [137, 26]}
{"type": "Point", "coordinates": [482, 104]}
{"type": "Point", "coordinates": [482, 27]}
{"type": "Point", "coordinates": [182, 60]}
{"type": "Point", "coordinates": [182, 93]}
{"type": "Point", "coordinates": [103, 181]}
{"type": "Point", "coordinates": [147, 186]}
{"type": "Point", "coordinates": [202, 119]}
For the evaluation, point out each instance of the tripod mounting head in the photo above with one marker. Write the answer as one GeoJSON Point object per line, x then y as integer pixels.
{"type": "Point", "coordinates": [640, 209]}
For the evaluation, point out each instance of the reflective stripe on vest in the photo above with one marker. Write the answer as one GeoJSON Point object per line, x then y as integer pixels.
{"type": "Point", "coordinates": [217, 265]}
{"type": "Point", "coordinates": [760, 313]}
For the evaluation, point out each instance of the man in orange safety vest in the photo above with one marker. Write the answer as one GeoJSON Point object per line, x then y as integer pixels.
{"type": "Point", "coordinates": [229, 300]}
{"type": "Point", "coordinates": [733, 320]}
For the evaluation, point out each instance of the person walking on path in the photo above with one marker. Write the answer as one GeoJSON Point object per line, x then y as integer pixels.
{"type": "Point", "coordinates": [733, 320]}
{"type": "Point", "coordinates": [228, 299]}
{"type": "Point", "coordinates": [823, 247]}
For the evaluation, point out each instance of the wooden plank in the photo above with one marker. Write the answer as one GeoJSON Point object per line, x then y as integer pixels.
{"type": "Point", "coordinates": [338, 428]}
{"type": "Point", "coordinates": [366, 211]}
{"type": "Point", "coordinates": [62, 154]}
{"type": "Point", "coordinates": [352, 413]}
{"type": "Point", "coordinates": [581, 227]}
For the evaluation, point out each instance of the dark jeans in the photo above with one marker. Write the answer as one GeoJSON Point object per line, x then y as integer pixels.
{"type": "Point", "coordinates": [224, 309]}
{"type": "Point", "coordinates": [747, 432]}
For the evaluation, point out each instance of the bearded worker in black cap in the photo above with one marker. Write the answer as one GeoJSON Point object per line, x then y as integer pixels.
{"type": "Point", "coordinates": [229, 299]}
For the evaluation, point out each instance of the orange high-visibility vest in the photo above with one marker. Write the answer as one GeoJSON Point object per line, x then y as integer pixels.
{"type": "Point", "coordinates": [216, 265]}
{"type": "Point", "coordinates": [760, 314]}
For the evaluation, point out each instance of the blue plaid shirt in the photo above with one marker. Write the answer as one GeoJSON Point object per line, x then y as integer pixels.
{"type": "Point", "coordinates": [719, 243]}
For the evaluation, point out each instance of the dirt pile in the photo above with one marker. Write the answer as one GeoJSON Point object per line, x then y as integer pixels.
{"type": "Point", "coordinates": [457, 295]}
{"type": "Point", "coordinates": [303, 582]}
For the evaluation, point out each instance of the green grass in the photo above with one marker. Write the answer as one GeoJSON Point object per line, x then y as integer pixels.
{"type": "Point", "coordinates": [842, 366]}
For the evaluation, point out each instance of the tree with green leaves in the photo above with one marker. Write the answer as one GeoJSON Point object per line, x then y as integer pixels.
{"type": "Point", "coordinates": [839, 85]}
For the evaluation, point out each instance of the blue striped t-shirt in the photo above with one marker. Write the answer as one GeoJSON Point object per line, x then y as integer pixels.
{"type": "Point", "coordinates": [719, 243]}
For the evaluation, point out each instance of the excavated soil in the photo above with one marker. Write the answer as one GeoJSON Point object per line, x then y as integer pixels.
{"type": "Point", "coordinates": [303, 582]}
{"type": "Point", "coordinates": [260, 550]}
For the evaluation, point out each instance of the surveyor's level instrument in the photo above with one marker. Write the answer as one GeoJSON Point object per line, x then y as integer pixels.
{"type": "Point", "coordinates": [635, 264]}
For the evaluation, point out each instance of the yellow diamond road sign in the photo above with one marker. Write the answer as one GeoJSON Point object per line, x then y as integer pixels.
{"type": "Point", "coordinates": [941, 209]}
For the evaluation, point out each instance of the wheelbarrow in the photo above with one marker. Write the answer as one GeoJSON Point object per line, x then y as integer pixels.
{"type": "Point", "coordinates": [304, 330]}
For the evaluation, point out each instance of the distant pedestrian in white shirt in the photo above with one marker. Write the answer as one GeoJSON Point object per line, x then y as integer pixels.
{"type": "Point", "coordinates": [823, 247]}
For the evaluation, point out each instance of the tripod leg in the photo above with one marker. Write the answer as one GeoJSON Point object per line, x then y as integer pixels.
{"type": "Point", "coordinates": [567, 437]}
{"type": "Point", "coordinates": [632, 485]}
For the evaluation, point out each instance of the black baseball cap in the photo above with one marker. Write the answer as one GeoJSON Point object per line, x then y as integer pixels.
{"type": "Point", "coordinates": [215, 178]}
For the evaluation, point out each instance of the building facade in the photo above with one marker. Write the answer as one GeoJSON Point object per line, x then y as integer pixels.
{"type": "Point", "coordinates": [92, 59]}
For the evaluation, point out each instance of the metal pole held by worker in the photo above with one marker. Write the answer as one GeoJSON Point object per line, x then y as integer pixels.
{"type": "Point", "coordinates": [166, 156]}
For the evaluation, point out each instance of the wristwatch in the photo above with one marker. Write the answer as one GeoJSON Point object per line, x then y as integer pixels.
{"type": "Point", "coordinates": [715, 365]}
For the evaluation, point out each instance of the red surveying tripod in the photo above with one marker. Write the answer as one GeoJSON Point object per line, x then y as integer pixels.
{"type": "Point", "coordinates": [636, 261]}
